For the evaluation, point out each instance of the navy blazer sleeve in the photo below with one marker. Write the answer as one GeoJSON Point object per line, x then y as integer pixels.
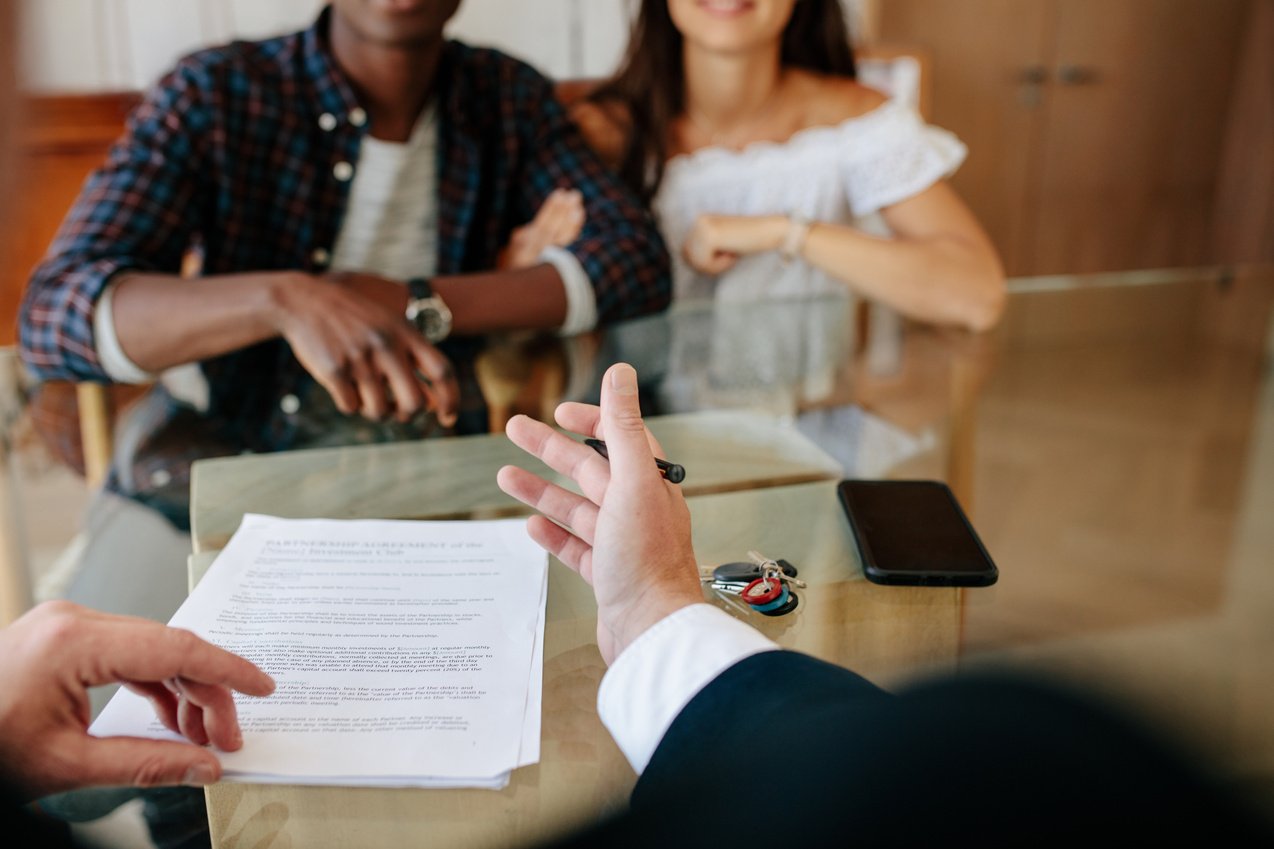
{"type": "Point", "coordinates": [784, 750]}
{"type": "Point", "coordinates": [760, 696]}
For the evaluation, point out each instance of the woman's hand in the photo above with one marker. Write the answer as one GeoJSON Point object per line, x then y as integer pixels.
{"type": "Point", "coordinates": [557, 224]}
{"type": "Point", "coordinates": [716, 242]}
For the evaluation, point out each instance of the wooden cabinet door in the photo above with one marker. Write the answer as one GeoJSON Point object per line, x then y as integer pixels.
{"type": "Point", "coordinates": [989, 58]}
{"type": "Point", "coordinates": [1134, 129]}
{"type": "Point", "coordinates": [1111, 160]}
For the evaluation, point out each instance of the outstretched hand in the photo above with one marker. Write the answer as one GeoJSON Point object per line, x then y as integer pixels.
{"type": "Point", "coordinates": [628, 535]}
{"type": "Point", "coordinates": [53, 654]}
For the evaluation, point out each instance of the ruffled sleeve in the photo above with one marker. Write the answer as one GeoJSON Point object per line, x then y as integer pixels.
{"type": "Point", "coordinates": [890, 154]}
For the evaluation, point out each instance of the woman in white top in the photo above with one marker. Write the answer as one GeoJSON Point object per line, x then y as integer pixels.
{"type": "Point", "coordinates": [741, 122]}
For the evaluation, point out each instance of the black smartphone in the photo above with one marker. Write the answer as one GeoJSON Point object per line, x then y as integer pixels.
{"type": "Point", "coordinates": [914, 533]}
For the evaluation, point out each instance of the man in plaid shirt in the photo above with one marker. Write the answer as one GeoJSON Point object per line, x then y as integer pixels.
{"type": "Point", "coordinates": [314, 174]}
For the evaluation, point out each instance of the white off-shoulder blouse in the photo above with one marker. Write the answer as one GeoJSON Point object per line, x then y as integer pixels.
{"type": "Point", "coordinates": [844, 173]}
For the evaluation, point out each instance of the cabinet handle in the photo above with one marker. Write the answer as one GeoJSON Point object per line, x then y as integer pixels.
{"type": "Point", "coordinates": [1031, 81]}
{"type": "Point", "coordinates": [1077, 75]}
{"type": "Point", "coordinates": [1033, 75]}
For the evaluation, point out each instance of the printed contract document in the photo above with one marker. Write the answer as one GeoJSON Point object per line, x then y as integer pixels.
{"type": "Point", "coordinates": [405, 653]}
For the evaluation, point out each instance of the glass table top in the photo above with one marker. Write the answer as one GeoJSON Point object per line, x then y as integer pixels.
{"type": "Point", "coordinates": [1112, 441]}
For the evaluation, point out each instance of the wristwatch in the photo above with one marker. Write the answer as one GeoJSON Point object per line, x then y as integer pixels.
{"type": "Point", "coordinates": [426, 311]}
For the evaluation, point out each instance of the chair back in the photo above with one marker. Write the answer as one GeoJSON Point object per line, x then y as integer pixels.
{"type": "Point", "coordinates": [15, 573]}
{"type": "Point", "coordinates": [900, 73]}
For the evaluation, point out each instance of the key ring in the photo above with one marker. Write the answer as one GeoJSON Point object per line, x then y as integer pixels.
{"type": "Point", "coordinates": [769, 565]}
{"type": "Point", "coordinates": [763, 584]}
{"type": "Point", "coordinates": [762, 591]}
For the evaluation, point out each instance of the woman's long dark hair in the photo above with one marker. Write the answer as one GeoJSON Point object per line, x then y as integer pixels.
{"type": "Point", "coordinates": [650, 85]}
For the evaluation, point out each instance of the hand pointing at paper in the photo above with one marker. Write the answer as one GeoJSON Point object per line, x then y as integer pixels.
{"type": "Point", "coordinates": [53, 654]}
{"type": "Point", "coordinates": [628, 536]}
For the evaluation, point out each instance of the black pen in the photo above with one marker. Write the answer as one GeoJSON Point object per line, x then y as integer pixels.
{"type": "Point", "coordinates": [672, 472]}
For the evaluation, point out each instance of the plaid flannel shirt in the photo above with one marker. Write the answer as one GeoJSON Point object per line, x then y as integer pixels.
{"type": "Point", "coordinates": [245, 150]}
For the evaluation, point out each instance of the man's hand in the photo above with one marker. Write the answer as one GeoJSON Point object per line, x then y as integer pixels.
{"type": "Point", "coordinates": [557, 223]}
{"type": "Point", "coordinates": [716, 242]}
{"type": "Point", "coordinates": [350, 333]}
{"type": "Point", "coordinates": [53, 654]}
{"type": "Point", "coordinates": [629, 535]}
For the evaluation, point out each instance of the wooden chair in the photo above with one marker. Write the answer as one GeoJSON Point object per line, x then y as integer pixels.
{"type": "Point", "coordinates": [61, 139]}
{"type": "Point", "coordinates": [902, 72]}
{"type": "Point", "coordinates": [15, 575]}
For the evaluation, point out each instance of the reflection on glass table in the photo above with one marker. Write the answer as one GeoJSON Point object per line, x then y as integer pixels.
{"type": "Point", "coordinates": [1123, 478]}
{"type": "Point", "coordinates": [802, 361]}
{"type": "Point", "coordinates": [778, 356]}
{"type": "Point", "coordinates": [1101, 437]}
{"type": "Point", "coordinates": [1112, 440]}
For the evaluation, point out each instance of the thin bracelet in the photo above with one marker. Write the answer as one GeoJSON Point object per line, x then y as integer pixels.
{"type": "Point", "coordinates": [798, 230]}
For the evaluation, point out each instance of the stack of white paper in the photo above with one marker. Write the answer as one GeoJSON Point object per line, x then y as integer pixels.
{"type": "Point", "coordinates": [407, 654]}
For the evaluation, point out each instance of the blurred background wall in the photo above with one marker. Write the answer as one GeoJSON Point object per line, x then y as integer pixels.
{"type": "Point", "coordinates": [113, 45]}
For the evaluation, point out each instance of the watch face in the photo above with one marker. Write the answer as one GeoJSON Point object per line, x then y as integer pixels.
{"type": "Point", "coordinates": [431, 324]}
{"type": "Point", "coordinates": [431, 317]}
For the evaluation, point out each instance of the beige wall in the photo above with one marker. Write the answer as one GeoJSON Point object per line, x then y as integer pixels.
{"type": "Point", "coordinates": [114, 45]}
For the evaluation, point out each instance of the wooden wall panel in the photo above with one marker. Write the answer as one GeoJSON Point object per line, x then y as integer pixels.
{"type": "Point", "coordinates": [60, 141]}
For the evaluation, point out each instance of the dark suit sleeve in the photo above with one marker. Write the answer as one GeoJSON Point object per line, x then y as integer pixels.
{"type": "Point", "coordinates": [730, 715]}
{"type": "Point", "coordinates": [20, 827]}
{"type": "Point", "coordinates": [782, 750]}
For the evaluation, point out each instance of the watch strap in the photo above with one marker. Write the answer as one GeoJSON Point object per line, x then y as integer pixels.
{"type": "Point", "coordinates": [419, 288]}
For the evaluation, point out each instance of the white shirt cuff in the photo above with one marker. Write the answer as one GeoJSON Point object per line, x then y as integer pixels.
{"type": "Point", "coordinates": [581, 303]}
{"type": "Point", "coordinates": [649, 684]}
{"type": "Point", "coordinates": [110, 353]}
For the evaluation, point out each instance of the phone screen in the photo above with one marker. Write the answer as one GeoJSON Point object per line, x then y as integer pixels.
{"type": "Point", "coordinates": [914, 527]}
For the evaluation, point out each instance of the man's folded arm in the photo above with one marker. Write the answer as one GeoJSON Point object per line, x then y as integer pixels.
{"type": "Point", "coordinates": [135, 214]}
{"type": "Point", "coordinates": [619, 248]}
